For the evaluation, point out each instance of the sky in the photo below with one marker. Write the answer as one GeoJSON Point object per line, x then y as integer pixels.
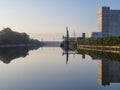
{"type": "Point", "coordinates": [52, 16]}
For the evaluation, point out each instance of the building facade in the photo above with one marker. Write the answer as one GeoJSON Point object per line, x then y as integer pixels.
{"type": "Point", "coordinates": [109, 21]}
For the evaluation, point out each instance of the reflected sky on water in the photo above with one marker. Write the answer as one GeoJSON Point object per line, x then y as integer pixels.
{"type": "Point", "coordinates": [46, 69]}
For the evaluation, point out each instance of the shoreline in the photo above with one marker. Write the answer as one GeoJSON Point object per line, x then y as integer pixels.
{"type": "Point", "coordinates": [114, 49]}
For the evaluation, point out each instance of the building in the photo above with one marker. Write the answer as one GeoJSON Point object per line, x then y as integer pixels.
{"type": "Point", "coordinates": [109, 21]}
{"type": "Point", "coordinates": [96, 34]}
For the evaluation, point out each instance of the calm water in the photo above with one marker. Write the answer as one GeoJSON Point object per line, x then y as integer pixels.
{"type": "Point", "coordinates": [46, 69]}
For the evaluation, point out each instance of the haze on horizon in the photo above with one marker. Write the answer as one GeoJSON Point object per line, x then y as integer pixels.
{"type": "Point", "coordinates": [52, 16]}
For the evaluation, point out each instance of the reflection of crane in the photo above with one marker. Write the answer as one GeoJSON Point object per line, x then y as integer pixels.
{"type": "Point", "coordinates": [67, 56]}
{"type": "Point", "coordinates": [67, 53]}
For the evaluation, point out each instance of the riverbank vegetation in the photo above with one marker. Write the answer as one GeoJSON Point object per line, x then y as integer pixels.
{"type": "Point", "coordinates": [9, 37]}
{"type": "Point", "coordinates": [106, 41]}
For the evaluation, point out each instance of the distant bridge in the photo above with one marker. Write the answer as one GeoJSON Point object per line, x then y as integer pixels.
{"type": "Point", "coordinates": [51, 43]}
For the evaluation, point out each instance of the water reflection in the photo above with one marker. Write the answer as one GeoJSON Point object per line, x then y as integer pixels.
{"type": "Point", "coordinates": [108, 66]}
{"type": "Point", "coordinates": [108, 72]}
{"type": "Point", "coordinates": [45, 69]}
{"type": "Point", "coordinates": [8, 54]}
{"type": "Point", "coordinates": [67, 52]}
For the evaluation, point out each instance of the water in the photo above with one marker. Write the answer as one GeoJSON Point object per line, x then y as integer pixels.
{"type": "Point", "coordinates": [46, 69]}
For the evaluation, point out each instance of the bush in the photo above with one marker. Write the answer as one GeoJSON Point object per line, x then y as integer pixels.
{"type": "Point", "coordinates": [111, 41]}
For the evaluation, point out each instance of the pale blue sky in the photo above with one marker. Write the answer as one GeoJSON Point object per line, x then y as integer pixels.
{"type": "Point", "coordinates": [52, 16]}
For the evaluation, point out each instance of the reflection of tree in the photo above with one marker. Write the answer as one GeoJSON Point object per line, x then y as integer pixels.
{"type": "Point", "coordinates": [8, 54]}
{"type": "Point", "coordinates": [102, 55]}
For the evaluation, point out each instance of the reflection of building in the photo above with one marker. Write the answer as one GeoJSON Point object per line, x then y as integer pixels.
{"type": "Point", "coordinates": [109, 21]}
{"type": "Point", "coordinates": [108, 72]}
{"type": "Point", "coordinates": [108, 67]}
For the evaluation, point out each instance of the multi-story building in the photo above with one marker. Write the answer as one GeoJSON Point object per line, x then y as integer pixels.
{"type": "Point", "coordinates": [109, 21]}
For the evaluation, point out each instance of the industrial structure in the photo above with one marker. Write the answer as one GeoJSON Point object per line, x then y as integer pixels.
{"type": "Point", "coordinates": [108, 22]}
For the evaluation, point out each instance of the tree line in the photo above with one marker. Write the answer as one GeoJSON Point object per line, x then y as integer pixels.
{"type": "Point", "coordinates": [7, 36]}
{"type": "Point", "coordinates": [110, 41]}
